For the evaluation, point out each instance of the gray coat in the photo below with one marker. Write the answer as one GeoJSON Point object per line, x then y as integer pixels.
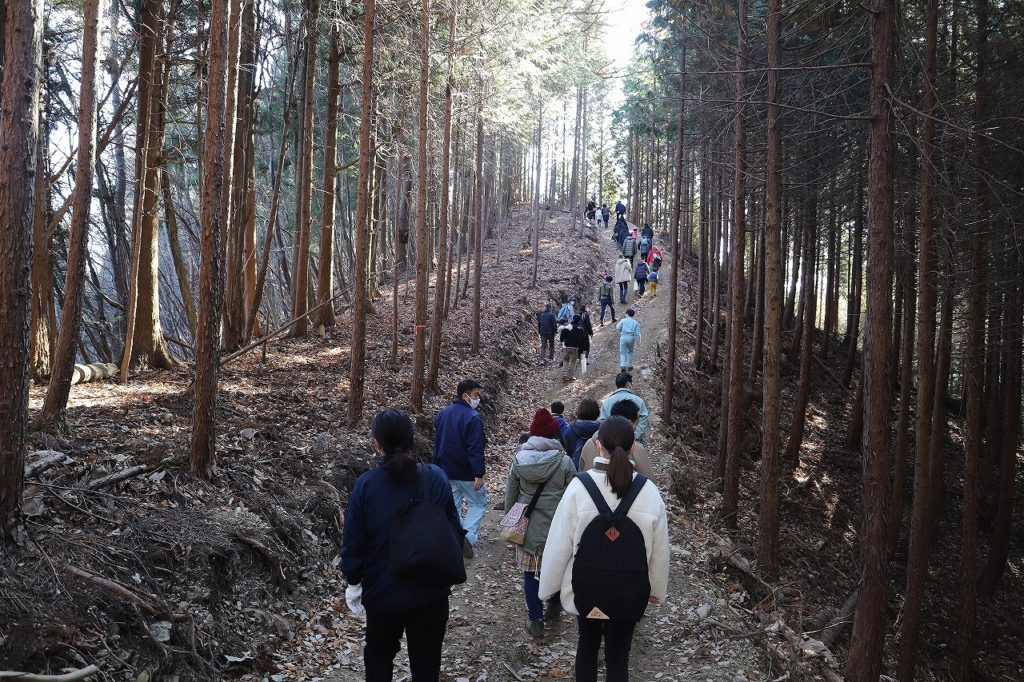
{"type": "Point", "coordinates": [538, 460]}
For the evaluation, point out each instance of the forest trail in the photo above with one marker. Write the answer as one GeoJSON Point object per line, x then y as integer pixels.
{"type": "Point", "coordinates": [691, 637]}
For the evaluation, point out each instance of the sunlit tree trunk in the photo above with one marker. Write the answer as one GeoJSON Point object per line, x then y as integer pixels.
{"type": "Point", "coordinates": [52, 415]}
{"type": "Point", "coordinates": [325, 284]}
{"type": "Point", "coordinates": [422, 254]}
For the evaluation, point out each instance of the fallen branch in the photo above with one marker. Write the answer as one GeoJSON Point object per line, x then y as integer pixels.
{"type": "Point", "coordinates": [830, 374]}
{"type": "Point", "coordinates": [512, 672]}
{"type": "Point", "coordinates": [80, 674]}
{"type": "Point", "coordinates": [119, 476]}
{"type": "Point", "coordinates": [115, 587]}
{"type": "Point", "coordinates": [47, 459]}
{"type": "Point", "coordinates": [280, 330]}
{"type": "Point", "coordinates": [269, 555]}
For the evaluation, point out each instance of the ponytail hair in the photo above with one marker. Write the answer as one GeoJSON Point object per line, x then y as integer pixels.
{"type": "Point", "coordinates": [616, 437]}
{"type": "Point", "coordinates": [393, 431]}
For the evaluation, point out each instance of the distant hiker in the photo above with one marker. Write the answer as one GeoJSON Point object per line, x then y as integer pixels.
{"type": "Point", "coordinates": [540, 473]}
{"type": "Point", "coordinates": [566, 312]}
{"type": "Point", "coordinates": [640, 275]}
{"type": "Point", "coordinates": [608, 578]}
{"type": "Point", "coordinates": [599, 215]}
{"type": "Point", "coordinates": [605, 295]}
{"type": "Point", "coordinates": [623, 274]}
{"type": "Point", "coordinates": [652, 281]}
{"type": "Point", "coordinates": [392, 604]}
{"type": "Point", "coordinates": [620, 209]}
{"type": "Point", "coordinates": [654, 255]}
{"type": "Point", "coordinates": [645, 245]}
{"type": "Point", "coordinates": [605, 215]}
{"type": "Point", "coordinates": [624, 391]}
{"type": "Point", "coordinates": [546, 329]}
{"type": "Point", "coordinates": [629, 249]}
{"type": "Point", "coordinates": [647, 231]}
{"type": "Point", "coordinates": [629, 334]}
{"type": "Point", "coordinates": [581, 430]}
{"type": "Point", "coordinates": [620, 232]}
{"type": "Point", "coordinates": [591, 208]}
{"type": "Point", "coordinates": [588, 330]}
{"type": "Point", "coordinates": [459, 443]}
{"type": "Point", "coordinates": [573, 338]}
{"type": "Point", "coordinates": [557, 409]}
{"type": "Point", "coordinates": [641, 462]}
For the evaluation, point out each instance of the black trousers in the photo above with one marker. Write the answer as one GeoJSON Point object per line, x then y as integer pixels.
{"type": "Point", "coordinates": [424, 630]}
{"type": "Point", "coordinates": [618, 639]}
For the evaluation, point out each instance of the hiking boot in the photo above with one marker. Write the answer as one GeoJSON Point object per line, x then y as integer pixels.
{"type": "Point", "coordinates": [536, 628]}
{"type": "Point", "coordinates": [467, 549]}
{"type": "Point", "coordinates": [554, 611]}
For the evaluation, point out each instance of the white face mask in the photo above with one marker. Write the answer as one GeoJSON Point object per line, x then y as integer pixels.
{"type": "Point", "coordinates": [474, 402]}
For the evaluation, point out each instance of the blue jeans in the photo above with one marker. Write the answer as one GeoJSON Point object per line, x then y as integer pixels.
{"type": "Point", "coordinates": [534, 606]}
{"type": "Point", "coordinates": [625, 351]}
{"type": "Point", "coordinates": [607, 303]}
{"type": "Point", "coordinates": [477, 505]}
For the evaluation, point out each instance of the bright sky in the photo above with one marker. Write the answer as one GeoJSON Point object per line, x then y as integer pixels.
{"type": "Point", "coordinates": [625, 19]}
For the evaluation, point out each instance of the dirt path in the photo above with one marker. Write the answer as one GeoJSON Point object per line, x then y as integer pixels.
{"type": "Point", "coordinates": [697, 635]}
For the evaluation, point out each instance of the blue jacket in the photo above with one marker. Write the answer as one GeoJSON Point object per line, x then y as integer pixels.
{"type": "Point", "coordinates": [641, 270]}
{"type": "Point", "coordinates": [580, 432]}
{"type": "Point", "coordinates": [459, 441]}
{"type": "Point", "coordinates": [365, 549]}
{"type": "Point", "coordinates": [563, 427]}
{"type": "Point", "coordinates": [546, 323]}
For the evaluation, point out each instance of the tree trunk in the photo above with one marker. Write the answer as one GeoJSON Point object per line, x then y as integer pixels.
{"type": "Point", "coordinates": [303, 226]}
{"type": "Point", "coordinates": [856, 287]}
{"type": "Point", "coordinates": [865, 658]}
{"type": "Point", "coordinates": [19, 128]}
{"type": "Point", "coordinates": [809, 299]}
{"type": "Point", "coordinates": [731, 485]}
{"type": "Point", "coordinates": [422, 255]}
{"type": "Point", "coordinates": [536, 200]}
{"type": "Point", "coordinates": [358, 355]}
{"type": "Point", "coordinates": [670, 359]}
{"type": "Point", "coordinates": [144, 342]}
{"type": "Point", "coordinates": [768, 498]}
{"type": "Point", "coordinates": [52, 416]}
{"type": "Point", "coordinates": [478, 224]}
{"type": "Point", "coordinates": [211, 257]}
{"type": "Point", "coordinates": [325, 285]}
{"type": "Point", "coordinates": [443, 257]}
{"type": "Point", "coordinates": [974, 370]}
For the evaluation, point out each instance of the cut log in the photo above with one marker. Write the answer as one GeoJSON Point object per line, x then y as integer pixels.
{"type": "Point", "coordinates": [93, 372]}
{"type": "Point", "coordinates": [119, 476]}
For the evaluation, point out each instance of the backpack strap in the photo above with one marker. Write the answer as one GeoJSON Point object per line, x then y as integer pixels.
{"type": "Point", "coordinates": [595, 492]}
{"type": "Point", "coordinates": [639, 481]}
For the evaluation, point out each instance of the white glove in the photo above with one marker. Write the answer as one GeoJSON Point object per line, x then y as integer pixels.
{"type": "Point", "coordinates": [354, 599]}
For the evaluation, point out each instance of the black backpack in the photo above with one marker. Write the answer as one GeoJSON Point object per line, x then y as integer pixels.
{"type": "Point", "coordinates": [425, 546]}
{"type": "Point", "coordinates": [609, 573]}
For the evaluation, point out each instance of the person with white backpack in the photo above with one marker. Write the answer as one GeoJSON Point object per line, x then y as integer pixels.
{"type": "Point", "coordinates": [607, 553]}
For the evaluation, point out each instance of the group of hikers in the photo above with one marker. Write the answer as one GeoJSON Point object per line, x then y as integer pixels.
{"type": "Point", "coordinates": [587, 521]}
{"type": "Point", "coordinates": [572, 326]}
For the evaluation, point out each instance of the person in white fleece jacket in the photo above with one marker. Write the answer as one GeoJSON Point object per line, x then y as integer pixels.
{"type": "Point", "coordinates": [613, 474]}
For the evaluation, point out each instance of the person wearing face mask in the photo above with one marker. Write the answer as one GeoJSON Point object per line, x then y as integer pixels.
{"type": "Point", "coordinates": [459, 443]}
{"type": "Point", "coordinates": [393, 605]}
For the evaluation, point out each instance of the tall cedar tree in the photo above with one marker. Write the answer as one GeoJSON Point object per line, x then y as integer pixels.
{"type": "Point", "coordinates": [868, 639]}
{"type": "Point", "coordinates": [422, 256]}
{"type": "Point", "coordinates": [211, 256]}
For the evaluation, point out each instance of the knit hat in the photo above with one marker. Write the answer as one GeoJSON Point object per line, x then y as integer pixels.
{"type": "Point", "coordinates": [543, 424]}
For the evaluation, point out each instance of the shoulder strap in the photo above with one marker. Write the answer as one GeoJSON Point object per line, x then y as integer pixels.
{"type": "Point", "coordinates": [595, 492]}
{"type": "Point", "coordinates": [535, 499]}
{"type": "Point", "coordinates": [638, 484]}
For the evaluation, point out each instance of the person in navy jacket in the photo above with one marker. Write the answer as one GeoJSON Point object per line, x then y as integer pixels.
{"type": "Point", "coordinates": [393, 605]}
{"type": "Point", "coordinates": [459, 443]}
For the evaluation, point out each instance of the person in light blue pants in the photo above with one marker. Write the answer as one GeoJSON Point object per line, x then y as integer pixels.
{"type": "Point", "coordinates": [629, 334]}
{"type": "Point", "coordinates": [459, 443]}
